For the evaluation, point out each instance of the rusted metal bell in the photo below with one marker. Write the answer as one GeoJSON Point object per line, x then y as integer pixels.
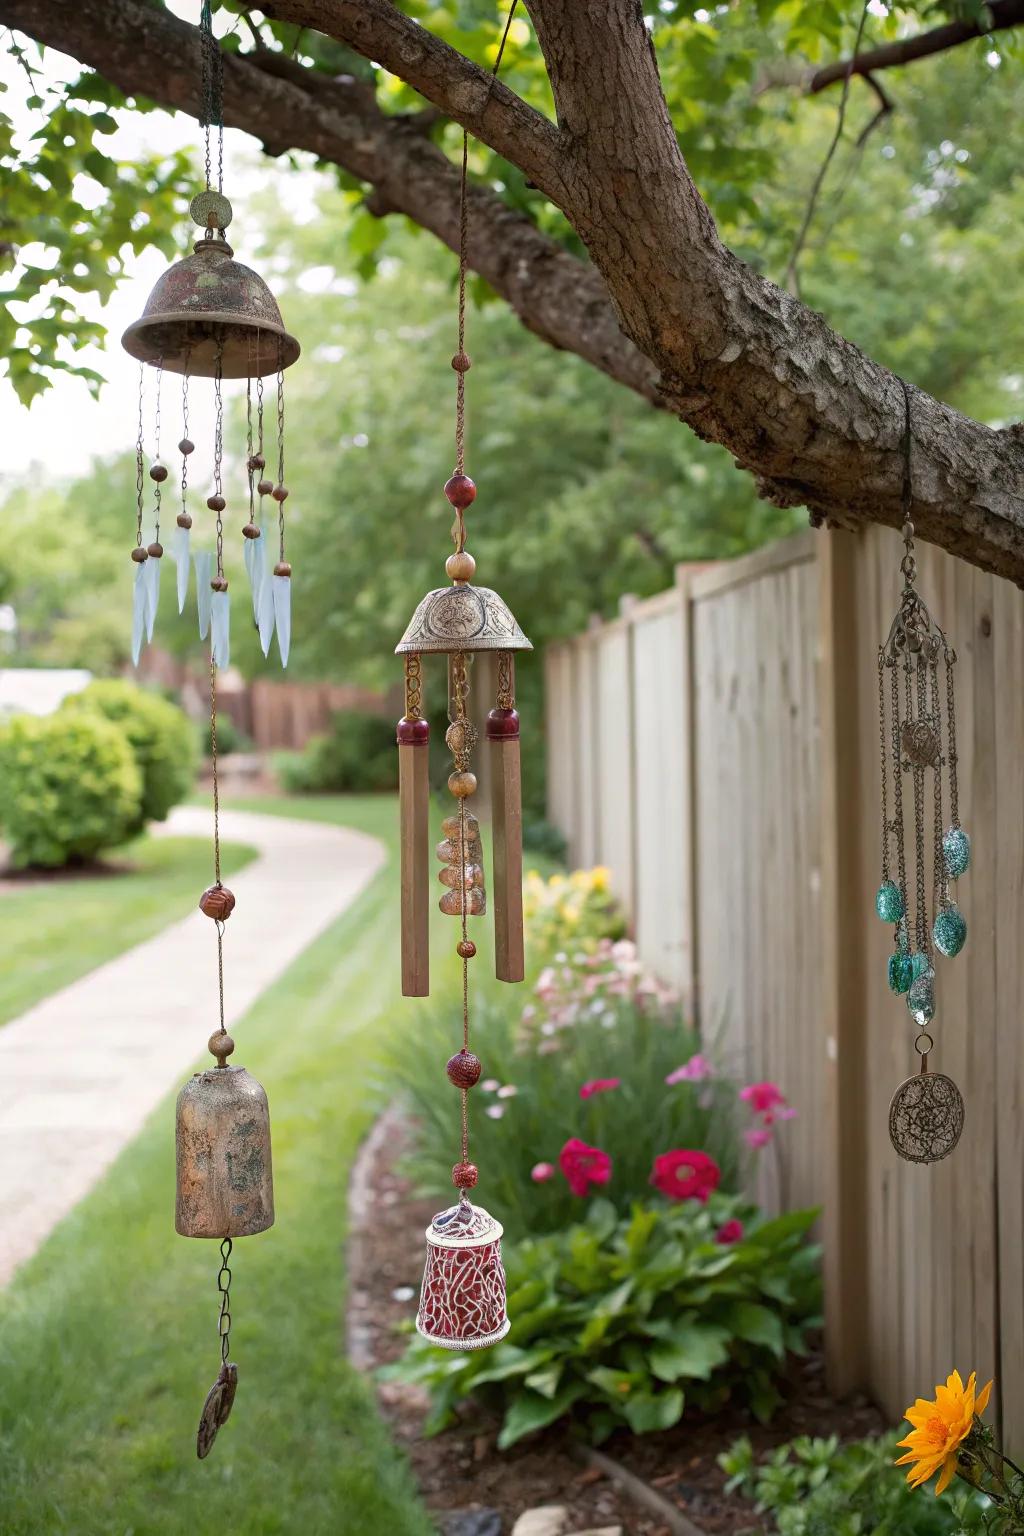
{"type": "Point", "coordinates": [225, 1179]}
{"type": "Point", "coordinates": [206, 300]}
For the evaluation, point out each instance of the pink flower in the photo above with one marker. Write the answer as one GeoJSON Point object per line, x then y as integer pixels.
{"type": "Point", "coordinates": [583, 1165]}
{"type": "Point", "coordinates": [685, 1175]}
{"type": "Point", "coordinates": [599, 1085]}
{"type": "Point", "coordinates": [763, 1097]}
{"type": "Point", "coordinates": [730, 1232]}
{"type": "Point", "coordinates": [541, 1172]}
{"type": "Point", "coordinates": [757, 1138]}
{"type": "Point", "coordinates": [693, 1071]}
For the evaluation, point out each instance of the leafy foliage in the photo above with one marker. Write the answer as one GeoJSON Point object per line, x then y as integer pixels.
{"type": "Point", "coordinates": [356, 756]}
{"type": "Point", "coordinates": [816, 1487]}
{"type": "Point", "coordinates": [160, 735]}
{"type": "Point", "coordinates": [69, 787]}
{"type": "Point", "coordinates": [626, 1321]}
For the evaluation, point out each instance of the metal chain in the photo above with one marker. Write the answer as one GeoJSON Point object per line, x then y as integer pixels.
{"type": "Point", "coordinates": [140, 463]}
{"type": "Point", "coordinates": [921, 920]}
{"type": "Point", "coordinates": [506, 689]}
{"type": "Point", "coordinates": [413, 687]}
{"type": "Point", "coordinates": [954, 791]}
{"type": "Point", "coordinates": [224, 1287]}
{"type": "Point", "coordinates": [218, 449]}
{"type": "Point", "coordinates": [184, 433]}
{"type": "Point", "coordinates": [897, 795]}
{"type": "Point", "coordinates": [156, 449]}
{"type": "Point", "coordinates": [212, 104]}
{"type": "Point", "coordinates": [940, 886]}
{"type": "Point", "coordinates": [885, 767]}
{"type": "Point", "coordinates": [280, 451]}
{"type": "Point", "coordinates": [249, 445]}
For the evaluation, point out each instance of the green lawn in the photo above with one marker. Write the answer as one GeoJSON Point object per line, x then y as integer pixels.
{"type": "Point", "coordinates": [107, 1338]}
{"type": "Point", "coordinates": [56, 929]}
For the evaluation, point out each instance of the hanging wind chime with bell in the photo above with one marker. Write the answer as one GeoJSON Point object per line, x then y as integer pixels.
{"type": "Point", "coordinates": [210, 317]}
{"type": "Point", "coordinates": [462, 1300]}
{"type": "Point", "coordinates": [926, 1115]}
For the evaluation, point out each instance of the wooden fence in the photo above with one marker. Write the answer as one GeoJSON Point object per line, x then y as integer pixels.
{"type": "Point", "coordinates": [717, 747]}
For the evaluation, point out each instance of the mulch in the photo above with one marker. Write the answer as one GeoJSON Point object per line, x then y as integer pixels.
{"type": "Point", "coordinates": [461, 1470]}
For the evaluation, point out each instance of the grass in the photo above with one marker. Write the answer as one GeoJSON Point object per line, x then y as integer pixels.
{"type": "Point", "coordinates": [107, 1337]}
{"type": "Point", "coordinates": [57, 929]}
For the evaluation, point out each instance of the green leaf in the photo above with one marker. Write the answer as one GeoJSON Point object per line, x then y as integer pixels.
{"type": "Point", "coordinates": [530, 1412]}
{"type": "Point", "coordinates": [647, 1412]}
{"type": "Point", "coordinates": [695, 1349]}
{"type": "Point", "coordinates": [757, 1325]}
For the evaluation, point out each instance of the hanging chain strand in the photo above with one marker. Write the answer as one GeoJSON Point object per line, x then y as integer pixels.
{"type": "Point", "coordinates": [212, 105]}
{"type": "Point", "coordinates": [885, 768]}
{"type": "Point", "coordinates": [156, 450]}
{"type": "Point", "coordinates": [954, 790]}
{"type": "Point", "coordinates": [224, 1288]}
{"type": "Point", "coordinates": [940, 894]}
{"type": "Point", "coordinates": [184, 436]}
{"type": "Point", "coordinates": [897, 798]}
{"type": "Point", "coordinates": [218, 452]}
{"type": "Point", "coordinates": [140, 463]}
{"type": "Point", "coordinates": [250, 471]}
{"type": "Point", "coordinates": [280, 453]}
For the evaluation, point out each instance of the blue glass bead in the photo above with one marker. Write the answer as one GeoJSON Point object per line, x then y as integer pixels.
{"type": "Point", "coordinates": [956, 846]}
{"type": "Point", "coordinates": [922, 966]}
{"type": "Point", "coordinates": [901, 971]}
{"type": "Point", "coordinates": [889, 902]}
{"type": "Point", "coordinates": [950, 931]}
{"type": "Point", "coordinates": [921, 1000]}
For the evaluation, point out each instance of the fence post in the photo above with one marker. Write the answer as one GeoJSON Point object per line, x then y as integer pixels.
{"type": "Point", "coordinates": [842, 665]}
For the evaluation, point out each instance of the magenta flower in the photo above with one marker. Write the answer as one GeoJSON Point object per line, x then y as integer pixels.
{"type": "Point", "coordinates": [541, 1172]}
{"type": "Point", "coordinates": [685, 1175]}
{"type": "Point", "coordinates": [583, 1165]}
{"type": "Point", "coordinates": [696, 1070]}
{"type": "Point", "coordinates": [599, 1085]}
{"type": "Point", "coordinates": [730, 1232]}
{"type": "Point", "coordinates": [763, 1098]}
{"type": "Point", "coordinates": [757, 1138]}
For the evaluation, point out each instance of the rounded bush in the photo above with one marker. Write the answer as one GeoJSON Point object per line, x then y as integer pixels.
{"type": "Point", "coordinates": [160, 735]}
{"type": "Point", "coordinates": [69, 787]}
{"type": "Point", "coordinates": [357, 756]}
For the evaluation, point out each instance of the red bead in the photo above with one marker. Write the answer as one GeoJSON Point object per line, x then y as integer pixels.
{"type": "Point", "coordinates": [464, 1069]}
{"type": "Point", "coordinates": [140, 553]}
{"type": "Point", "coordinates": [186, 446]}
{"type": "Point", "coordinates": [216, 503]}
{"type": "Point", "coordinates": [412, 733]}
{"type": "Point", "coordinates": [155, 549]}
{"type": "Point", "coordinates": [158, 472]}
{"type": "Point", "coordinates": [465, 1175]}
{"type": "Point", "coordinates": [257, 461]}
{"type": "Point", "coordinates": [280, 493]}
{"type": "Point", "coordinates": [460, 491]}
{"type": "Point", "coordinates": [265, 487]}
{"type": "Point", "coordinates": [502, 724]}
{"type": "Point", "coordinates": [465, 949]}
{"type": "Point", "coordinates": [217, 902]}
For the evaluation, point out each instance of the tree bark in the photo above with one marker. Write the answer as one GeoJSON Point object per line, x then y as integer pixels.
{"type": "Point", "coordinates": [1003, 14]}
{"type": "Point", "coordinates": [814, 420]}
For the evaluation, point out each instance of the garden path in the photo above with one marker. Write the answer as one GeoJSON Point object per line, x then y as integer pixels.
{"type": "Point", "coordinates": [80, 1072]}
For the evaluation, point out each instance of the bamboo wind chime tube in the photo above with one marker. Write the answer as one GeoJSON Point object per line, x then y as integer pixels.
{"type": "Point", "coordinates": [414, 809]}
{"type": "Point", "coordinates": [507, 828]}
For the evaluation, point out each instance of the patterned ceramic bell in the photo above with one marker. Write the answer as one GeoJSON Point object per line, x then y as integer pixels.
{"type": "Point", "coordinates": [462, 1302]}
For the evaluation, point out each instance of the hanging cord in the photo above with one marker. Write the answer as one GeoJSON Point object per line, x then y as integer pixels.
{"type": "Point", "coordinates": [140, 463]}
{"type": "Point", "coordinates": [908, 565]}
{"type": "Point", "coordinates": [212, 106]}
{"type": "Point", "coordinates": [156, 453]}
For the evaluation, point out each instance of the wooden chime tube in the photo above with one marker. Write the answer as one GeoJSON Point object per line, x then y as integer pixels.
{"type": "Point", "coordinates": [507, 828]}
{"type": "Point", "coordinates": [414, 810]}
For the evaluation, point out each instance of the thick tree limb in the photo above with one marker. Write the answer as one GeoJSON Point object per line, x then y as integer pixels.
{"type": "Point", "coordinates": [1003, 15]}
{"type": "Point", "coordinates": [148, 51]}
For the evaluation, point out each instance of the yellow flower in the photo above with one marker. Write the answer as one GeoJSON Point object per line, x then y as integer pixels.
{"type": "Point", "coordinates": [940, 1428]}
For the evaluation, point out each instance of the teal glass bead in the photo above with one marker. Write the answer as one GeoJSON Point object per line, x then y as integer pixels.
{"type": "Point", "coordinates": [901, 971]}
{"type": "Point", "coordinates": [950, 931]}
{"type": "Point", "coordinates": [956, 847]}
{"type": "Point", "coordinates": [922, 966]}
{"type": "Point", "coordinates": [921, 1000]}
{"type": "Point", "coordinates": [889, 902]}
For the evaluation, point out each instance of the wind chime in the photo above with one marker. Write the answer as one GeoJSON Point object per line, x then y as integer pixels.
{"type": "Point", "coordinates": [926, 1115]}
{"type": "Point", "coordinates": [462, 1301]}
{"type": "Point", "coordinates": [210, 317]}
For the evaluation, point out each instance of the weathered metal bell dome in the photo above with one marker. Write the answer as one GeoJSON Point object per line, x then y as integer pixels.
{"type": "Point", "coordinates": [462, 618]}
{"type": "Point", "coordinates": [206, 300]}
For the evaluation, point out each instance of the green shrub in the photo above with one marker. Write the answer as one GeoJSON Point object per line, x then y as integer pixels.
{"type": "Point", "coordinates": [543, 837]}
{"type": "Point", "coordinates": [159, 734]}
{"type": "Point", "coordinates": [623, 1322]}
{"type": "Point", "coordinates": [230, 738]}
{"type": "Point", "coordinates": [69, 787]}
{"type": "Point", "coordinates": [819, 1488]}
{"type": "Point", "coordinates": [570, 912]}
{"type": "Point", "coordinates": [356, 756]}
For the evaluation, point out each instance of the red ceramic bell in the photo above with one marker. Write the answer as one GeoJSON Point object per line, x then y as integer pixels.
{"type": "Point", "coordinates": [462, 1303]}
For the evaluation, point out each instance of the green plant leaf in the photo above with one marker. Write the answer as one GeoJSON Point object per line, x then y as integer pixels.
{"type": "Point", "coordinates": [647, 1412]}
{"type": "Point", "coordinates": [530, 1411]}
{"type": "Point", "coordinates": [695, 1349]}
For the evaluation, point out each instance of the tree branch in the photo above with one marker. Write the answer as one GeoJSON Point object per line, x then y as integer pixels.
{"type": "Point", "coordinates": [1004, 14]}
{"type": "Point", "coordinates": [146, 50]}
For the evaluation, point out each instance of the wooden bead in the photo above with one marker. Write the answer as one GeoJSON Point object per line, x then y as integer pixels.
{"type": "Point", "coordinates": [280, 493]}
{"type": "Point", "coordinates": [465, 949]}
{"type": "Point", "coordinates": [216, 503]}
{"type": "Point", "coordinates": [140, 554]}
{"type": "Point", "coordinates": [186, 446]}
{"type": "Point", "coordinates": [257, 461]}
{"type": "Point", "coordinates": [219, 584]}
{"type": "Point", "coordinates": [462, 784]}
{"type": "Point", "coordinates": [463, 1069]}
{"type": "Point", "coordinates": [155, 549]}
{"type": "Point", "coordinates": [412, 732]}
{"type": "Point", "coordinates": [220, 1044]}
{"type": "Point", "coordinates": [460, 566]}
{"type": "Point", "coordinates": [265, 487]}
{"type": "Point", "coordinates": [461, 363]}
{"type": "Point", "coordinates": [250, 531]}
{"type": "Point", "coordinates": [465, 1175]}
{"type": "Point", "coordinates": [184, 520]}
{"type": "Point", "coordinates": [158, 472]}
{"type": "Point", "coordinates": [217, 902]}
{"type": "Point", "coordinates": [502, 725]}
{"type": "Point", "coordinates": [282, 568]}
{"type": "Point", "coordinates": [460, 491]}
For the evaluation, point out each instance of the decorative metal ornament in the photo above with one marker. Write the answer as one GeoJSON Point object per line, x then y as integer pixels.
{"type": "Point", "coordinates": [209, 316]}
{"type": "Point", "coordinates": [926, 1115]}
{"type": "Point", "coordinates": [462, 1302]}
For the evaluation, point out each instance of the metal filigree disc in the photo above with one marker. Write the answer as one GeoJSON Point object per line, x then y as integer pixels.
{"type": "Point", "coordinates": [210, 210]}
{"type": "Point", "coordinates": [462, 618]}
{"type": "Point", "coordinates": [920, 742]}
{"type": "Point", "coordinates": [217, 1408]}
{"type": "Point", "coordinates": [926, 1117]}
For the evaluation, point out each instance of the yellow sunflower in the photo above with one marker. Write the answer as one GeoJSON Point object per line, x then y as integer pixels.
{"type": "Point", "coordinates": [940, 1428]}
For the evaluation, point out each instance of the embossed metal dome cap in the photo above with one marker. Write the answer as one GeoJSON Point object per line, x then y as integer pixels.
{"type": "Point", "coordinates": [205, 300]}
{"type": "Point", "coordinates": [463, 618]}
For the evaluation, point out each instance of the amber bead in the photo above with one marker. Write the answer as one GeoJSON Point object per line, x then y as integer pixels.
{"type": "Point", "coordinates": [265, 487]}
{"type": "Point", "coordinates": [219, 584]}
{"type": "Point", "coordinates": [186, 446]}
{"type": "Point", "coordinates": [216, 503]}
{"type": "Point", "coordinates": [460, 566]}
{"type": "Point", "coordinates": [250, 531]}
{"type": "Point", "coordinates": [461, 363]}
{"type": "Point", "coordinates": [462, 784]}
{"type": "Point", "coordinates": [465, 1175]}
{"type": "Point", "coordinates": [139, 554]}
{"type": "Point", "coordinates": [463, 1069]}
{"type": "Point", "coordinates": [282, 568]}
{"type": "Point", "coordinates": [466, 949]}
{"type": "Point", "coordinates": [217, 902]}
{"type": "Point", "coordinates": [460, 491]}
{"type": "Point", "coordinates": [158, 472]}
{"type": "Point", "coordinates": [412, 733]}
{"type": "Point", "coordinates": [257, 461]}
{"type": "Point", "coordinates": [184, 520]}
{"type": "Point", "coordinates": [502, 725]}
{"type": "Point", "coordinates": [280, 493]}
{"type": "Point", "coordinates": [155, 549]}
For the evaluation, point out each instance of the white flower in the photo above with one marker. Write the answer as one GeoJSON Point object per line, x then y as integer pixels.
{"type": "Point", "coordinates": [495, 1111]}
{"type": "Point", "coordinates": [490, 1085]}
{"type": "Point", "coordinates": [507, 1091]}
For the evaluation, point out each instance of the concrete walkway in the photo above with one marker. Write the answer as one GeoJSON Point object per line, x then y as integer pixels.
{"type": "Point", "coordinates": [80, 1072]}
